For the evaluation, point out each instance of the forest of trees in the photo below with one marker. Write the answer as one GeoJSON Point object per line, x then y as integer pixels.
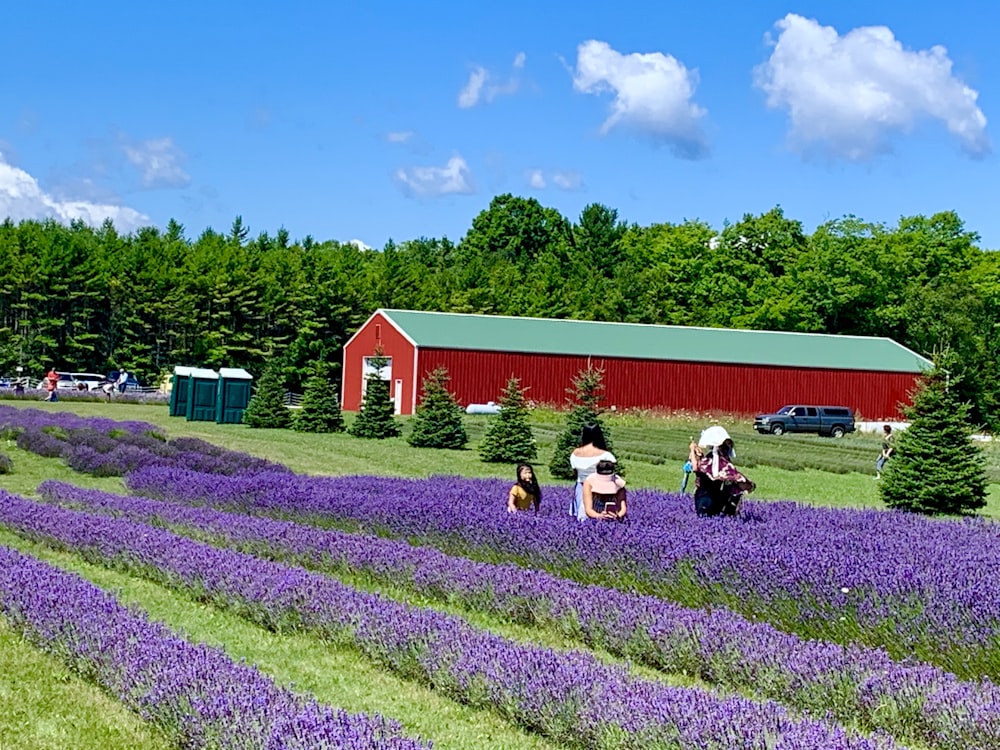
{"type": "Point", "coordinates": [91, 299]}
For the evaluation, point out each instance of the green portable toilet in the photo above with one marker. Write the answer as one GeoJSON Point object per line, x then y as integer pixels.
{"type": "Point", "coordinates": [233, 395]}
{"type": "Point", "coordinates": [202, 395]}
{"type": "Point", "coordinates": [179, 391]}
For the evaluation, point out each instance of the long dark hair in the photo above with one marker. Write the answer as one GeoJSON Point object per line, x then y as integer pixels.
{"type": "Point", "coordinates": [531, 487]}
{"type": "Point", "coordinates": [592, 434]}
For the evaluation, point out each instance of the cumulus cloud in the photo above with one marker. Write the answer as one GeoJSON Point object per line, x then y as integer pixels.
{"type": "Point", "coordinates": [159, 161]}
{"type": "Point", "coordinates": [847, 94]}
{"type": "Point", "coordinates": [359, 244]}
{"type": "Point", "coordinates": [484, 86]}
{"type": "Point", "coordinates": [22, 198]}
{"type": "Point", "coordinates": [563, 179]}
{"type": "Point", "coordinates": [432, 182]}
{"type": "Point", "coordinates": [536, 179]}
{"type": "Point", "coordinates": [653, 95]}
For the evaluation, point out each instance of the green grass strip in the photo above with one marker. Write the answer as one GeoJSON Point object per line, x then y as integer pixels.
{"type": "Point", "coordinates": [338, 676]}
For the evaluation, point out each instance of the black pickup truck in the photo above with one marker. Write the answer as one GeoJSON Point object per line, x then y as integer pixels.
{"type": "Point", "coordinates": [835, 421]}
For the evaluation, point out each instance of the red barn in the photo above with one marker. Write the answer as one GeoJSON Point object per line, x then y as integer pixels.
{"type": "Point", "coordinates": [645, 366]}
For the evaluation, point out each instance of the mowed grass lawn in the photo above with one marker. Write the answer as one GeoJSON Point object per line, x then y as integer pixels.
{"type": "Point", "coordinates": [805, 468]}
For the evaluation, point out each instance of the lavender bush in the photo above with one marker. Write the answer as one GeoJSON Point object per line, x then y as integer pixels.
{"type": "Point", "coordinates": [198, 695]}
{"type": "Point", "coordinates": [104, 447]}
{"type": "Point", "coordinates": [898, 581]}
{"type": "Point", "coordinates": [569, 696]}
{"type": "Point", "coordinates": [850, 683]}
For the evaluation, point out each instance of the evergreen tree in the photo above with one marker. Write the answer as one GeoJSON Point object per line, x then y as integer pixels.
{"type": "Point", "coordinates": [267, 406]}
{"type": "Point", "coordinates": [587, 393]}
{"type": "Point", "coordinates": [438, 421]}
{"type": "Point", "coordinates": [936, 468]}
{"type": "Point", "coordinates": [320, 410]}
{"type": "Point", "coordinates": [508, 436]}
{"type": "Point", "coordinates": [377, 418]}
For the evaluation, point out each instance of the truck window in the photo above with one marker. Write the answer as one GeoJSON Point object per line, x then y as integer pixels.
{"type": "Point", "coordinates": [811, 411]}
{"type": "Point", "coordinates": [798, 411]}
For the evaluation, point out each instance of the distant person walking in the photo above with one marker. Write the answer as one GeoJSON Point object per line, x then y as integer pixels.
{"type": "Point", "coordinates": [888, 448]}
{"type": "Point", "coordinates": [593, 448]}
{"type": "Point", "coordinates": [122, 380]}
{"type": "Point", "coordinates": [51, 384]}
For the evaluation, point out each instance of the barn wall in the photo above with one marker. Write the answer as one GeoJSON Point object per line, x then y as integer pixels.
{"type": "Point", "coordinates": [478, 377]}
{"type": "Point", "coordinates": [375, 332]}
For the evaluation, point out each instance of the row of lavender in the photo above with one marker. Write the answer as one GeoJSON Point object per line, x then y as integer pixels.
{"type": "Point", "coordinates": [200, 697]}
{"type": "Point", "coordinates": [105, 447]}
{"type": "Point", "coordinates": [569, 696]}
{"type": "Point", "coordinates": [852, 684]}
{"type": "Point", "coordinates": [888, 579]}
{"type": "Point", "coordinates": [905, 583]}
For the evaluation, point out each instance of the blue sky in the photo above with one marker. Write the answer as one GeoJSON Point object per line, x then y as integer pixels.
{"type": "Point", "coordinates": [381, 120]}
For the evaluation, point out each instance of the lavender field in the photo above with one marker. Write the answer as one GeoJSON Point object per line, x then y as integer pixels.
{"type": "Point", "coordinates": [789, 627]}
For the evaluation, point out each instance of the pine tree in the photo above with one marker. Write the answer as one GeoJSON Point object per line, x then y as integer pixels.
{"type": "Point", "coordinates": [438, 421]}
{"type": "Point", "coordinates": [377, 419]}
{"type": "Point", "coordinates": [267, 406]}
{"type": "Point", "coordinates": [936, 467]}
{"type": "Point", "coordinates": [587, 393]}
{"type": "Point", "coordinates": [320, 410]}
{"type": "Point", "coordinates": [508, 436]}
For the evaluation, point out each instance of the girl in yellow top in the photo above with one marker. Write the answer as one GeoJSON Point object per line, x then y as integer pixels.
{"type": "Point", "coordinates": [526, 493]}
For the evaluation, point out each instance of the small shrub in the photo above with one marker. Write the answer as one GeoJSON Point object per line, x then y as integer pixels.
{"type": "Point", "coordinates": [267, 408]}
{"type": "Point", "coordinates": [320, 410]}
{"type": "Point", "coordinates": [508, 436]}
{"type": "Point", "coordinates": [377, 418]}
{"type": "Point", "coordinates": [6, 464]}
{"type": "Point", "coordinates": [438, 422]}
{"type": "Point", "coordinates": [936, 468]}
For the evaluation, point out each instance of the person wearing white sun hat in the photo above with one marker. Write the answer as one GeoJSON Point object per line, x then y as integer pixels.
{"type": "Point", "coordinates": [719, 486]}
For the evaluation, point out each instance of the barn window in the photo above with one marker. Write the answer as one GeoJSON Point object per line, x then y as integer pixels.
{"type": "Point", "coordinates": [378, 331]}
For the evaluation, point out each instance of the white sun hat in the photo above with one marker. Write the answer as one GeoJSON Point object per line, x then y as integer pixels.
{"type": "Point", "coordinates": [713, 436]}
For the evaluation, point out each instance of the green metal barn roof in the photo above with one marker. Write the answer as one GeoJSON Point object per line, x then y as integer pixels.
{"type": "Point", "coordinates": [635, 341]}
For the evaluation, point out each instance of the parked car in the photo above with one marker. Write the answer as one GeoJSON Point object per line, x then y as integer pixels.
{"type": "Point", "coordinates": [835, 421]}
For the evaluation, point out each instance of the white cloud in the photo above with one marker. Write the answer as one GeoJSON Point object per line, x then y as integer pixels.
{"type": "Point", "coordinates": [567, 180]}
{"type": "Point", "coordinates": [22, 198]}
{"type": "Point", "coordinates": [159, 161]}
{"type": "Point", "coordinates": [359, 244]}
{"type": "Point", "coordinates": [431, 182]}
{"type": "Point", "coordinates": [484, 86]}
{"type": "Point", "coordinates": [847, 94]}
{"type": "Point", "coordinates": [563, 179]}
{"type": "Point", "coordinates": [399, 136]}
{"type": "Point", "coordinates": [469, 95]}
{"type": "Point", "coordinates": [653, 94]}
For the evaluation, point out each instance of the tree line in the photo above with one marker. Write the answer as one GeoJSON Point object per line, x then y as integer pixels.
{"type": "Point", "coordinates": [92, 299]}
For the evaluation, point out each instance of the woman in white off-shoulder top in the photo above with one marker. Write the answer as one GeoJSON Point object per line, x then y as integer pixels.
{"type": "Point", "coordinates": [593, 448]}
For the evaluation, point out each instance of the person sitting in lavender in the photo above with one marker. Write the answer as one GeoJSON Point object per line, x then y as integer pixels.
{"type": "Point", "coordinates": [604, 496]}
{"type": "Point", "coordinates": [719, 486]}
{"type": "Point", "coordinates": [525, 493]}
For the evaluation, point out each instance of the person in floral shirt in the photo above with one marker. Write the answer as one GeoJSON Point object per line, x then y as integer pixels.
{"type": "Point", "coordinates": [719, 485]}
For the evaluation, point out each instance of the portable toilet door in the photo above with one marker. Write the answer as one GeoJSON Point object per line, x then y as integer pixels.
{"type": "Point", "coordinates": [233, 395]}
{"type": "Point", "coordinates": [202, 395]}
{"type": "Point", "coordinates": [181, 384]}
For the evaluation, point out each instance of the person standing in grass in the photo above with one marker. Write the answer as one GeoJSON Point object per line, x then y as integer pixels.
{"type": "Point", "coordinates": [593, 448]}
{"type": "Point", "coordinates": [525, 493]}
{"type": "Point", "coordinates": [51, 384]}
{"type": "Point", "coordinates": [888, 448]}
{"type": "Point", "coordinates": [604, 493]}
